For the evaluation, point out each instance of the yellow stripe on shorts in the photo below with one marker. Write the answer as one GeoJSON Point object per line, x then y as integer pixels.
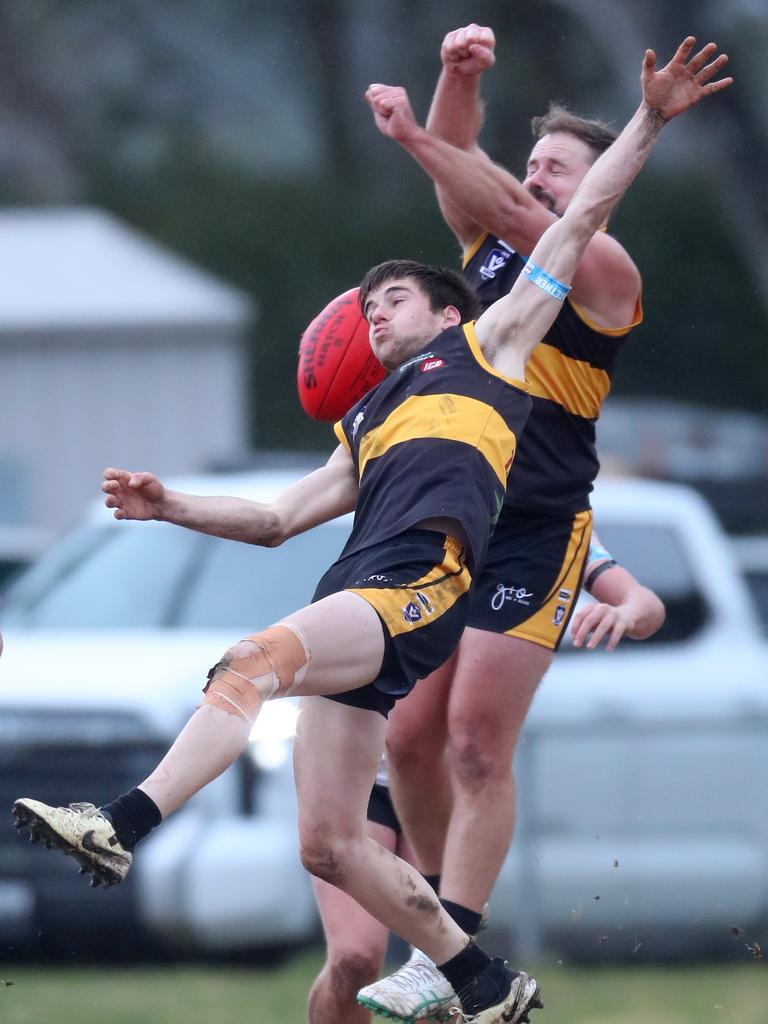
{"type": "Point", "coordinates": [545, 626]}
{"type": "Point", "coordinates": [410, 606]}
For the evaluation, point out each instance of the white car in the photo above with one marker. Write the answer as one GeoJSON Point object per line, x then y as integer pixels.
{"type": "Point", "coordinates": [107, 643]}
{"type": "Point", "coordinates": [642, 807]}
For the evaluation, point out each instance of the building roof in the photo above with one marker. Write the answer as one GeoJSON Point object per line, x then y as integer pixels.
{"type": "Point", "coordinates": [78, 267]}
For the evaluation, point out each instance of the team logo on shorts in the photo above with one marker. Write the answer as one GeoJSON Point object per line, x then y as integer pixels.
{"type": "Point", "coordinates": [518, 595]}
{"type": "Point", "coordinates": [557, 618]}
{"type": "Point", "coordinates": [412, 612]}
{"type": "Point", "coordinates": [425, 602]}
{"type": "Point", "coordinates": [495, 261]}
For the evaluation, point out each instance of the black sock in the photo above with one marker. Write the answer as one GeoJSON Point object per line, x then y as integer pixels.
{"type": "Point", "coordinates": [133, 816]}
{"type": "Point", "coordinates": [487, 987]}
{"type": "Point", "coordinates": [463, 967]}
{"type": "Point", "coordinates": [468, 920]}
{"type": "Point", "coordinates": [434, 881]}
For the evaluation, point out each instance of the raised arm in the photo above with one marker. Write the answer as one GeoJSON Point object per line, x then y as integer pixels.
{"type": "Point", "coordinates": [326, 493]}
{"type": "Point", "coordinates": [487, 196]}
{"type": "Point", "coordinates": [510, 329]}
{"type": "Point", "coordinates": [456, 114]}
{"type": "Point", "coordinates": [456, 117]}
{"type": "Point", "coordinates": [484, 196]}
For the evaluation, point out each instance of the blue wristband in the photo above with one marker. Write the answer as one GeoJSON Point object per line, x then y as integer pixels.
{"type": "Point", "coordinates": [546, 282]}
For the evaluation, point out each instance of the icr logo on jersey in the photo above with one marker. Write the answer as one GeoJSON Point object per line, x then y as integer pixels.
{"type": "Point", "coordinates": [496, 260]}
{"type": "Point", "coordinates": [431, 364]}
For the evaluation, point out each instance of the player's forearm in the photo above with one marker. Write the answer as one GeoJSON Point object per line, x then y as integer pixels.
{"type": "Point", "coordinates": [316, 498]}
{"type": "Point", "coordinates": [456, 114]}
{"type": "Point", "coordinates": [646, 613]}
{"type": "Point", "coordinates": [227, 517]}
{"type": "Point", "coordinates": [615, 170]}
{"type": "Point", "coordinates": [485, 193]}
{"type": "Point", "coordinates": [641, 607]}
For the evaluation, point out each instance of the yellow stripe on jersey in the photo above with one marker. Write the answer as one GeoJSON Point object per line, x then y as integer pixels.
{"type": "Point", "coordinates": [342, 437]}
{"type": "Point", "coordinates": [471, 335]}
{"type": "Point", "coordinates": [577, 386]}
{"type": "Point", "coordinates": [434, 594]}
{"type": "Point", "coordinates": [609, 332]}
{"type": "Point", "coordinates": [448, 417]}
{"type": "Point", "coordinates": [472, 250]}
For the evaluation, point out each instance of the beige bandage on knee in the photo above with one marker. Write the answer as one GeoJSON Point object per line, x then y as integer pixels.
{"type": "Point", "coordinates": [279, 660]}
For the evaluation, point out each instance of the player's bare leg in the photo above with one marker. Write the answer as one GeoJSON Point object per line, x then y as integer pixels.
{"type": "Point", "coordinates": [495, 682]}
{"type": "Point", "coordinates": [216, 734]}
{"type": "Point", "coordinates": [356, 945]}
{"type": "Point", "coordinates": [337, 753]}
{"type": "Point", "coordinates": [417, 734]}
{"type": "Point", "coordinates": [214, 738]}
{"type": "Point", "coordinates": [494, 679]}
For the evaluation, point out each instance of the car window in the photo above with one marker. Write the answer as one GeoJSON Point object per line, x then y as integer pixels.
{"type": "Point", "coordinates": [658, 558]}
{"type": "Point", "coordinates": [104, 578]}
{"type": "Point", "coordinates": [145, 575]}
{"type": "Point", "coordinates": [243, 586]}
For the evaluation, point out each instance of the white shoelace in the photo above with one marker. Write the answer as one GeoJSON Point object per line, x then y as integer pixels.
{"type": "Point", "coordinates": [421, 973]}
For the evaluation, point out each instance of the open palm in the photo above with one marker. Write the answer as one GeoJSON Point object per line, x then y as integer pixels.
{"type": "Point", "coordinates": [683, 82]}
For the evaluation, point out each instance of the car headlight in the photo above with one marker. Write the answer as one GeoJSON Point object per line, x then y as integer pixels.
{"type": "Point", "coordinates": [270, 743]}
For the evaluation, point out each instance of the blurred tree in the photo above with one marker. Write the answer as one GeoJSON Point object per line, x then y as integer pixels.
{"type": "Point", "coordinates": [236, 133]}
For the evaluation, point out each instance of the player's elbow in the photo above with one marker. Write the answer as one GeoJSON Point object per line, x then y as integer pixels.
{"type": "Point", "coordinates": [586, 214]}
{"type": "Point", "coordinates": [273, 530]}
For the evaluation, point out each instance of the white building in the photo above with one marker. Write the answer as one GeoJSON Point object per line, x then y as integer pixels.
{"type": "Point", "coordinates": [113, 351]}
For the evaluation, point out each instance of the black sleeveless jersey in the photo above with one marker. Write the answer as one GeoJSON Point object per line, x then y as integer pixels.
{"type": "Point", "coordinates": [435, 438]}
{"type": "Point", "coordinates": [569, 375]}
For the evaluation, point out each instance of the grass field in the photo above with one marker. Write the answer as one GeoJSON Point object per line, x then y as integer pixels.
{"type": "Point", "coordinates": [211, 995]}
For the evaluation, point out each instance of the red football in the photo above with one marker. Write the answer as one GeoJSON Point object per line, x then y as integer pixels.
{"type": "Point", "coordinates": [336, 364]}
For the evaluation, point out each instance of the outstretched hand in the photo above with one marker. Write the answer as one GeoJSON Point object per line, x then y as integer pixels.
{"type": "Point", "coordinates": [133, 495]}
{"type": "Point", "coordinates": [596, 622]}
{"type": "Point", "coordinates": [468, 51]}
{"type": "Point", "coordinates": [391, 111]}
{"type": "Point", "coordinates": [683, 82]}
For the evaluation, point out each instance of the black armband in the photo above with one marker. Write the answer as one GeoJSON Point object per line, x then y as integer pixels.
{"type": "Point", "coordinates": [598, 571]}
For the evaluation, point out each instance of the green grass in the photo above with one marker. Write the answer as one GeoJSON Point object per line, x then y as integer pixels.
{"type": "Point", "coordinates": [211, 995]}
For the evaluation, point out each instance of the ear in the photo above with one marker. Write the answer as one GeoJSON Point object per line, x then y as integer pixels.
{"type": "Point", "coordinates": [451, 317]}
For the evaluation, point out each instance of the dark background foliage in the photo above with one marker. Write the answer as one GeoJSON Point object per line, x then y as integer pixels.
{"type": "Point", "coordinates": [236, 134]}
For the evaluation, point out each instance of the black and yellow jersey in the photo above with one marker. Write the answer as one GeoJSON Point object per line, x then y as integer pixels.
{"type": "Point", "coordinates": [435, 439]}
{"type": "Point", "coordinates": [569, 375]}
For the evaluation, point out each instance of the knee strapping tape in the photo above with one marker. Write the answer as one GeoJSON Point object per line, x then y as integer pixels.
{"type": "Point", "coordinates": [240, 686]}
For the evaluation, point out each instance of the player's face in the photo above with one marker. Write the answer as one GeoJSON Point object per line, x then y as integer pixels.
{"type": "Point", "coordinates": [555, 168]}
{"type": "Point", "coordinates": [401, 321]}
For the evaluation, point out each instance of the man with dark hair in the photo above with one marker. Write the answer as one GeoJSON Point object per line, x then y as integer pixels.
{"type": "Point", "coordinates": [451, 744]}
{"type": "Point", "coordinates": [423, 460]}
{"type": "Point", "coordinates": [442, 286]}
